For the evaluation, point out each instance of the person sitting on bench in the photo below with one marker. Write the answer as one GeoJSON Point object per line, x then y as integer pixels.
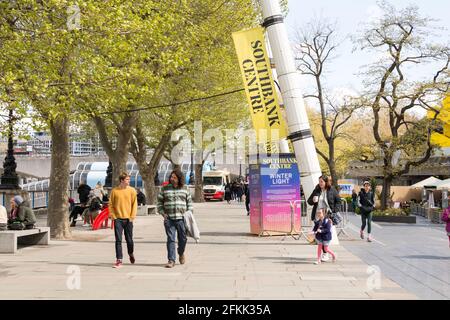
{"type": "Point", "coordinates": [3, 218]}
{"type": "Point", "coordinates": [21, 215]}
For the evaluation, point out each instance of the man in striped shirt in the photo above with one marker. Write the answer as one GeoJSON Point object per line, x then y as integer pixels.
{"type": "Point", "coordinates": [173, 201]}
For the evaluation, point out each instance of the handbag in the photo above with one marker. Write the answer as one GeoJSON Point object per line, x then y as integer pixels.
{"type": "Point", "coordinates": [336, 217]}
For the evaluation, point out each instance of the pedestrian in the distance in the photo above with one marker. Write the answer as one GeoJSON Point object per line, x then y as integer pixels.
{"type": "Point", "coordinates": [173, 201]}
{"type": "Point", "coordinates": [322, 230]}
{"type": "Point", "coordinates": [99, 191]}
{"type": "Point", "coordinates": [123, 210]}
{"type": "Point", "coordinates": [354, 200]}
{"type": "Point", "coordinates": [239, 191]}
{"type": "Point", "coordinates": [83, 193]}
{"type": "Point", "coordinates": [141, 198]}
{"type": "Point", "coordinates": [366, 204]}
{"type": "Point", "coordinates": [228, 192]}
{"type": "Point", "coordinates": [247, 197]}
{"type": "Point", "coordinates": [446, 219]}
{"type": "Point", "coordinates": [3, 218]}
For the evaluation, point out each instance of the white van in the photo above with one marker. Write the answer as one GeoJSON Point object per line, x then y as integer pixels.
{"type": "Point", "coordinates": [214, 184]}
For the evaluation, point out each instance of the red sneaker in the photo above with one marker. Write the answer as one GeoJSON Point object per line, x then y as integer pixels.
{"type": "Point", "coordinates": [118, 264]}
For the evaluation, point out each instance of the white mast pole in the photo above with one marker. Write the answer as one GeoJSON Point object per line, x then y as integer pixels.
{"type": "Point", "coordinates": [290, 84]}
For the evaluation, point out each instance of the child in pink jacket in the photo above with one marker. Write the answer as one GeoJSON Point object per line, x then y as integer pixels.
{"type": "Point", "coordinates": [446, 218]}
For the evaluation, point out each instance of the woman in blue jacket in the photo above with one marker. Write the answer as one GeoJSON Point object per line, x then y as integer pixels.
{"type": "Point", "coordinates": [322, 230]}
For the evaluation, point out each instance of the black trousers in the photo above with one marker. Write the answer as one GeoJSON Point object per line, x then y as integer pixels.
{"type": "Point", "coordinates": [77, 210]}
{"type": "Point", "coordinates": [247, 204]}
{"type": "Point", "coordinates": [123, 226]}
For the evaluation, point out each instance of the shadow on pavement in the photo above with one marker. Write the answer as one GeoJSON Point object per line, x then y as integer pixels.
{"type": "Point", "coordinates": [109, 265]}
{"type": "Point", "coordinates": [288, 260]}
{"type": "Point", "coordinates": [228, 234]}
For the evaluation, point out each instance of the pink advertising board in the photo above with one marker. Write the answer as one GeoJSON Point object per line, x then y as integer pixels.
{"type": "Point", "coordinates": [274, 184]}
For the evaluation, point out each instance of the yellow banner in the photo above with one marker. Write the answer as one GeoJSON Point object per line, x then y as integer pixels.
{"type": "Point", "coordinates": [442, 139]}
{"type": "Point", "coordinates": [259, 85]}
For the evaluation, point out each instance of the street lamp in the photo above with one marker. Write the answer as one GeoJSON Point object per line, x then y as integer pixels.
{"type": "Point", "coordinates": [191, 175]}
{"type": "Point", "coordinates": [108, 179]}
{"type": "Point", "coordinates": [9, 178]}
{"type": "Point", "coordinates": [240, 167]}
{"type": "Point", "coordinates": [214, 160]}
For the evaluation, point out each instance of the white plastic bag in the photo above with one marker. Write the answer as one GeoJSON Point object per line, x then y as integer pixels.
{"type": "Point", "coordinates": [334, 236]}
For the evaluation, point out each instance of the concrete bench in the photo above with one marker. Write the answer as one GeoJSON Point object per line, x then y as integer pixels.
{"type": "Point", "coordinates": [11, 238]}
{"type": "Point", "coordinates": [146, 210]}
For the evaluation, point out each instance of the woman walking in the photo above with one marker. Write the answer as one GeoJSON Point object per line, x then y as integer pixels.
{"type": "Point", "coordinates": [366, 204]}
{"type": "Point", "coordinates": [446, 219]}
{"type": "Point", "coordinates": [324, 196]}
{"type": "Point", "coordinates": [228, 192]}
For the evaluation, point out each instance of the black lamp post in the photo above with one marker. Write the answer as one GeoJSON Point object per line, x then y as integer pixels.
{"type": "Point", "coordinates": [108, 180]}
{"type": "Point", "coordinates": [9, 178]}
{"type": "Point", "coordinates": [240, 168]}
{"type": "Point", "coordinates": [214, 160]}
{"type": "Point", "coordinates": [191, 175]}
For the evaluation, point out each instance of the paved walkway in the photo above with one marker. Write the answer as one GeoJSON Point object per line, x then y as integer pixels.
{"type": "Point", "coordinates": [416, 256]}
{"type": "Point", "coordinates": [228, 263]}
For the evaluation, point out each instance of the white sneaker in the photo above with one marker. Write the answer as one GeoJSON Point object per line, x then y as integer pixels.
{"type": "Point", "coordinates": [86, 225]}
{"type": "Point", "coordinates": [369, 238]}
{"type": "Point", "coordinates": [324, 257]}
{"type": "Point", "coordinates": [317, 262]}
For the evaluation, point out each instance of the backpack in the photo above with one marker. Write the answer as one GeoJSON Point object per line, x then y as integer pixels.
{"type": "Point", "coordinates": [16, 225]}
{"type": "Point", "coordinates": [95, 204]}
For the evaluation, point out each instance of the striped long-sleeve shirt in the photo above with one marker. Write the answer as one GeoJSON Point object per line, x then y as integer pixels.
{"type": "Point", "coordinates": [174, 202]}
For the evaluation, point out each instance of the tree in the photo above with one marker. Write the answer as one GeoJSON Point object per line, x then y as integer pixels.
{"type": "Point", "coordinates": [144, 43]}
{"type": "Point", "coordinates": [212, 69]}
{"type": "Point", "coordinates": [43, 55]}
{"type": "Point", "coordinates": [395, 90]}
{"type": "Point", "coordinates": [315, 48]}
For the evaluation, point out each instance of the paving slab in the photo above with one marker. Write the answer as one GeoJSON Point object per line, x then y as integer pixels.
{"type": "Point", "coordinates": [227, 263]}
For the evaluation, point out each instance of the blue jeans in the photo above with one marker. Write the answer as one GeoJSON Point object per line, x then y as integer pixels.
{"type": "Point", "coordinates": [121, 225]}
{"type": "Point", "coordinates": [172, 227]}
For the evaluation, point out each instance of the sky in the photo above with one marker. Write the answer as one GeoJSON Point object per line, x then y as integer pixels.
{"type": "Point", "coordinates": [349, 15]}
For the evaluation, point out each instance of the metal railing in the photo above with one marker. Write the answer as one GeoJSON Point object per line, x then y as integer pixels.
{"type": "Point", "coordinates": [37, 199]}
{"type": "Point", "coordinates": [284, 222]}
{"type": "Point", "coordinates": [307, 224]}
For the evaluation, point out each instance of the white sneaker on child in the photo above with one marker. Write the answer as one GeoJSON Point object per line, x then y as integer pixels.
{"type": "Point", "coordinates": [324, 257]}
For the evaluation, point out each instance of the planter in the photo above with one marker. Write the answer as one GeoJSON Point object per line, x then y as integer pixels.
{"type": "Point", "coordinates": [395, 219]}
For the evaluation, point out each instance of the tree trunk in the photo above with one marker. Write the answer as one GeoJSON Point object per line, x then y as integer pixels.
{"type": "Point", "coordinates": [150, 191]}
{"type": "Point", "coordinates": [58, 214]}
{"type": "Point", "coordinates": [119, 162]}
{"type": "Point", "coordinates": [198, 196]}
{"type": "Point", "coordinates": [386, 193]}
{"type": "Point", "coordinates": [148, 170]}
{"type": "Point", "coordinates": [119, 155]}
{"type": "Point", "coordinates": [331, 162]}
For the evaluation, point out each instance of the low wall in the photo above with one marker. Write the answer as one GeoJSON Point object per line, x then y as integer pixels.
{"type": "Point", "coordinates": [402, 193]}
